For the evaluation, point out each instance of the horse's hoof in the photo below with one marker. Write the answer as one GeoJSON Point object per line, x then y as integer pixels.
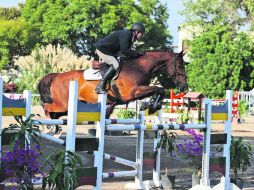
{"type": "Point", "coordinates": [151, 111]}
{"type": "Point", "coordinates": [144, 106]}
{"type": "Point", "coordinates": [58, 130]}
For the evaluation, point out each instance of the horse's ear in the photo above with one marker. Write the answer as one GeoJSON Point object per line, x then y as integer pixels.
{"type": "Point", "coordinates": [182, 53]}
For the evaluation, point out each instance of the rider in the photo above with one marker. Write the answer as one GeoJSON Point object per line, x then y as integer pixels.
{"type": "Point", "coordinates": [109, 47]}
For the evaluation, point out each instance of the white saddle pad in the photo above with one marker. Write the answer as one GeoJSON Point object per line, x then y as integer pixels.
{"type": "Point", "coordinates": [91, 74]}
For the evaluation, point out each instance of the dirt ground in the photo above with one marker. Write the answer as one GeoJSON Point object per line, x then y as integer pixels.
{"type": "Point", "coordinates": [124, 147]}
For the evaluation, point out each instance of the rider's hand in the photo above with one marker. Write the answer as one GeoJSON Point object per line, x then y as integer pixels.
{"type": "Point", "coordinates": [141, 53]}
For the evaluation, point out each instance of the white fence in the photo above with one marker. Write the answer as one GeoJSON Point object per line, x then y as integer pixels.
{"type": "Point", "coordinates": [247, 97]}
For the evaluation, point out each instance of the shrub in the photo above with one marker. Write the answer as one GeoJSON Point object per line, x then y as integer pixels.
{"type": "Point", "coordinates": [125, 114]}
{"type": "Point", "coordinates": [45, 60]}
{"type": "Point", "coordinates": [240, 152]}
{"type": "Point", "coordinates": [243, 108]}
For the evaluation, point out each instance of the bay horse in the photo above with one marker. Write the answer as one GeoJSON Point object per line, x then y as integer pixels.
{"type": "Point", "coordinates": [132, 83]}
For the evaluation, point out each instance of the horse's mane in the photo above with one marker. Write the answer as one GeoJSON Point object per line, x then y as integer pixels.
{"type": "Point", "coordinates": [130, 60]}
{"type": "Point", "coordinates": [160, 50]}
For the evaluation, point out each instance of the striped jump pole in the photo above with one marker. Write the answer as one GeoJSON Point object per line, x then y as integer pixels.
{"type": "Point", "coordinates": [130, 173]}
{"type": "Point", "coordinates": [122, 121]}
{"type": "Point", "coordinates": [120, 160]}
{"type": "Point", "coordinates": [155, 127]}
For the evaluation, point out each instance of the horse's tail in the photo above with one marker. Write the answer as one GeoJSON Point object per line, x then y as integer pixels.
{"type": "Point", "coordinates": [44, 87]}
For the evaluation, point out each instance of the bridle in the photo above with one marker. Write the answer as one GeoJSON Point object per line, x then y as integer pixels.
{"type": "Point", "coordinates": [176, 75]}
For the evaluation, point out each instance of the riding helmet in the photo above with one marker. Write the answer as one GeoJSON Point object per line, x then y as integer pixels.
{"type": "Point", "coordinates": [139, 27]}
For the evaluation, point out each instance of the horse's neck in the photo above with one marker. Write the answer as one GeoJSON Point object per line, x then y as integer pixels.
{"type": "Point", "coordinates": [147, 63]}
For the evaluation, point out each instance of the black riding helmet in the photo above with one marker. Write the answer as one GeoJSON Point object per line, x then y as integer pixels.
{"type": "Point", "coordinates": [139, 27]}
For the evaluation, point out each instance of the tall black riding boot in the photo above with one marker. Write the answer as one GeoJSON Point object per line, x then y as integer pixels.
{"type": "Point", "coordinates": [101, 87]}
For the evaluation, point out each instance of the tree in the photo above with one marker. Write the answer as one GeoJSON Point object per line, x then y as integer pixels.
{"type": "Point", "coordinates": [16, 39]}
{"type": "Point", "coordinates": [220, 63]}
{"type": "Point", "coordinates": [9, 13]}
{"type": "Point", "coordinates": [222, 54]}
{"type": "Point", "coordinates": [78, 24]}
{"type": "Point", "coordinates": [236, 13]}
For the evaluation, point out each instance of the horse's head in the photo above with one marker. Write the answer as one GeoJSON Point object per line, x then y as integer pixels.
{"type": "Point", "coordinates": [176, 70]}
{"type": "Point", "coordinates": [171, 66]}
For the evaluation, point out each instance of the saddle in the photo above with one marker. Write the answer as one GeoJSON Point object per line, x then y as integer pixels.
{"type": "Point", "coordinates": [102, 67]}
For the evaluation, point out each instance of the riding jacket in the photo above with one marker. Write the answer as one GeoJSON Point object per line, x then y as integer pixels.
{"type": "Point", "coordinates": [117, 42]}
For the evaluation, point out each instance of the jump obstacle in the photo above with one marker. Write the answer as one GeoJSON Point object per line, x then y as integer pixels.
{"type": "Point", "coordinates": [76, 114]}
{"type": "Point", "coordinates": [98, 114]}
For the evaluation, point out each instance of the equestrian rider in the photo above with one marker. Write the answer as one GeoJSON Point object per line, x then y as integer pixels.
{"type": "Point", "coordinates": [117, 42]}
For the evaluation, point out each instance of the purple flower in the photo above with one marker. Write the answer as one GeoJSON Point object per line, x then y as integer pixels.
{"type": "Point", "coordinates": [192, 149]}
{"type": "Point", "coordinates": [22, 163]}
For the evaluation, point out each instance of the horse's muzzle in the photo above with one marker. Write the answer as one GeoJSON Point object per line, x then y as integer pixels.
{"type": "Point", "coordinates": [183, 88]}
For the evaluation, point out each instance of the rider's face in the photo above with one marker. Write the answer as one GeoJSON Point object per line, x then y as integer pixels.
{"type": "Point", "coordinates": [139, 35]}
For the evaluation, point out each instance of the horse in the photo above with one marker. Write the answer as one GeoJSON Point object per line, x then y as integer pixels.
{"type": "Point", "coordinates": [131, 84]}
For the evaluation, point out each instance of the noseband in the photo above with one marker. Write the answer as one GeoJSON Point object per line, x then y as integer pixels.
{"type": "Point", "coordinates": [177, 73]}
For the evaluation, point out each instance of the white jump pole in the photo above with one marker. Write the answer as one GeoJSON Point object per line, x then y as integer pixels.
{"type": "Point", "coordinates": [72, 116]}
{"type": "Point", "coordinates": [156, 170]}
{"type": "Point", "coordinates": [28, 96]}
{"type": "Point", "coordinates": [100, 134]}
{"type": "Point", "coordinates": [227, 130]}
{"type": "Point", "coordinates": [139, 153]}
{"type": "Point", "coordinates": [205, 179]}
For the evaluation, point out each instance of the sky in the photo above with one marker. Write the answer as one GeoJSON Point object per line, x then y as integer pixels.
{"type": "Point", "coordinates": [173, 6]}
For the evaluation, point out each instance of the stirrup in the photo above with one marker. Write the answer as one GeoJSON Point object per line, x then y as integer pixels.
{"type": "Point", "coordinates": [99, 89]}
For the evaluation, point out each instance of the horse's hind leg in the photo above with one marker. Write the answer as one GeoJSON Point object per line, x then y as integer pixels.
{"type": "Point", "coordinates": [49, 110]}
{"type": "Point", "coordinates": [57, 115]}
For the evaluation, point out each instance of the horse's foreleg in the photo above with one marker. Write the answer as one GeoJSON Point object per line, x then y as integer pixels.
{"type": "Point", "coordinates": [157, 94]}
{"type": "Point", "coordinates": [109, 110]}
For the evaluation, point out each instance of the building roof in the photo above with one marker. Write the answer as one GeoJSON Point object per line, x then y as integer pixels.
{"type": "Point", "coordinates": [194, 95]}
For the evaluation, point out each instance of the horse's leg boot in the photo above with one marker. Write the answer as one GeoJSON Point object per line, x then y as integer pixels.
{"type": "Point", "coordinates": [101, 87]}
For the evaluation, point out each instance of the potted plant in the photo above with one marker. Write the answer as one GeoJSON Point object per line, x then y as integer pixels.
{"type": "Point", "coordinates": [240, 152]}
{"type": "Point", "coordinates": [191, 150]}
{"type": "Point", "coordinates": [62, 173]}
{"type": "Point", "coordinates": [23, 131]}
{"type": "Point", "coordinates": [167, 143]}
